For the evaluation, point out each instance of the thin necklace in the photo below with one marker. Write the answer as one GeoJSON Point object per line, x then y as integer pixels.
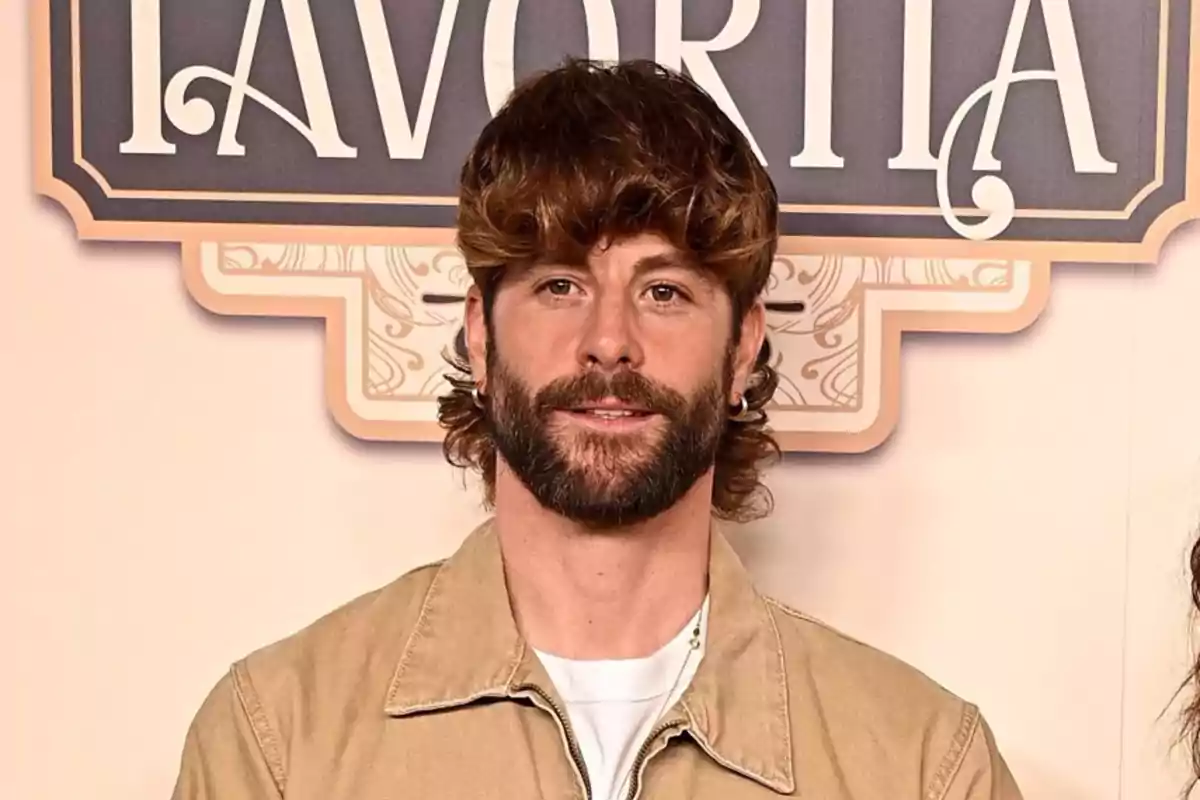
{"type": "Point", "coordinates": [693, 647]}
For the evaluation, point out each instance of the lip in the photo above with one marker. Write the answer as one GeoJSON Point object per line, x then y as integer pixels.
{"type": "Point", "coordinates": [609, 404]}
{"type": "Point", "coordinates": [633, 419]}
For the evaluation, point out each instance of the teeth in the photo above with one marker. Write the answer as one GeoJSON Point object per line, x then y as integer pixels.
{"type": "Point", "coordinates": [617, 414]}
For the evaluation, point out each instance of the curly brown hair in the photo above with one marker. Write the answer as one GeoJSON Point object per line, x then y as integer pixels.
{"type": "Point", "coordinates": [589, 152]}
{"type": "Point", "coordinates": [1190, 716]}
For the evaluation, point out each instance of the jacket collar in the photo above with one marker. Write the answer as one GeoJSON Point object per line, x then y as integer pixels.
{"type": "Point", "coordinates": [465, 646]}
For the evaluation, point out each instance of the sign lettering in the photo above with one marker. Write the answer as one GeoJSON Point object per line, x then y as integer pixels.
{"type": "Point", "coordinates": [943, 123]}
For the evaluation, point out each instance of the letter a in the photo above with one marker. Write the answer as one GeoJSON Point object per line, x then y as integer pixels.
{"type": "Point", "coordinates": [322, 131]}
{"type": "Point", "coordinates": [1072, 88]}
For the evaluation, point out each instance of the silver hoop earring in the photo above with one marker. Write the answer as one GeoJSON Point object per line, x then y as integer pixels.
{"type": "Point", "coordinates": [478, 397]}
{"type": "Point", "coordinates": [743, 410]}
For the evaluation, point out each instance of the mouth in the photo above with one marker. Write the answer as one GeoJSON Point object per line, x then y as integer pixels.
{"type": "Point", "coordinates": [609, 416]}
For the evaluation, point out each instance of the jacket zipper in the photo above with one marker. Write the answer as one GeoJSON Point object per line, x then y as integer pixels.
{"type": "Point", "coordinates": [635, 773]}
{"type": "Point", "coordinates": [564, 725]}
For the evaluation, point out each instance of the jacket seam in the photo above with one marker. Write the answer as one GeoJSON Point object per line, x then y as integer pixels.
{"type": "Point", "coordinates": [956, 755]}
{"type": "Point", "coordinates": [803, 617]}
{"type": "Point", "coordinates": [260, 725]}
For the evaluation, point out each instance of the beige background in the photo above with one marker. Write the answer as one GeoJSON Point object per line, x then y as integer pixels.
{"type": "Point", "coordinates": [175, 494]}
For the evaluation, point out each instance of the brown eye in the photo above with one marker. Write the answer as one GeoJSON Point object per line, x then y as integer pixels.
{"type": "Point", "coordinates": [559, 287]}
{"type": "Point", "coordinates": [663, 293]}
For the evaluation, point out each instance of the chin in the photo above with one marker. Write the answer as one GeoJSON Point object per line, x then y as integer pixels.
{"type": "Point", "coordinates": [612, 455]}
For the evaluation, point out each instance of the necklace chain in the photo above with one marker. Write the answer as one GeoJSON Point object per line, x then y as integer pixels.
{"type": "Point", "coordinates": [694, 644]}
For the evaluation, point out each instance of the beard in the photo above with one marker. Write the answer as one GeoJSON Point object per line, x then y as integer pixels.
{"type": "Point", "coordinates": [599, 479]}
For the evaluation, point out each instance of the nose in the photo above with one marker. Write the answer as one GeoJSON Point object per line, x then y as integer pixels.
{"type": "Point", "coordinates": [610, 337]}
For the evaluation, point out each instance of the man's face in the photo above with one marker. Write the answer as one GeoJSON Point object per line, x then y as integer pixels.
{"type": "Point", "coordinates": [610, 382]}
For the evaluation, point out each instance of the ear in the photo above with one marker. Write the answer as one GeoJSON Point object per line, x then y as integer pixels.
{"type": "Point", "coordinates": [476, 334]}
{"type": "Point", "coordinates": [754, 330]}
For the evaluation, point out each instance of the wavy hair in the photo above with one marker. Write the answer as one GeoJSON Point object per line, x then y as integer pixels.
{"type": "Point", "coordinates": [1190, 716]}
{"type": "Point", "coordinates": [590, 152]}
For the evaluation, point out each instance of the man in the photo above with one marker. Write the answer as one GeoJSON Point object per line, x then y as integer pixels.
{"type": "Point", "coordinates": [597, 637]}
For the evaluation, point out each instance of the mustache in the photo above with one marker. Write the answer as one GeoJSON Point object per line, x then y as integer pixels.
{"type": "Point", "coordinates": [626, 386]}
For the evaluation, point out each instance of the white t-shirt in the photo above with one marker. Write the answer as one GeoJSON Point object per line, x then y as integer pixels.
{"type": "Point", "coordinates": [614, 704]}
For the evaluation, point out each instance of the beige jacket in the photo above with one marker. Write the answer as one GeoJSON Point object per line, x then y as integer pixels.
{"type": "Point", "coordinates": [424, 690]}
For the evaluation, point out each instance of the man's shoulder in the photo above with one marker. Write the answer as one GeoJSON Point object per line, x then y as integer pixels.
{"type": "Point", "coordinates": [373, 617]}
{"type": "Point", "coordinates": [359, 641]}
{"type": "Point", "coordinates": [862, 681]}
{"type": "Point", "coordinates": [848, 695]}
{"type": "Point", "coordinates": [300, 690]}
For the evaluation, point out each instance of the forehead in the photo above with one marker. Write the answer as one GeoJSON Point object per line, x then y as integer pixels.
{"type": "Point", "coordinates": [624, 257]}
{"type": "Point", "coordinates": [642, 250]}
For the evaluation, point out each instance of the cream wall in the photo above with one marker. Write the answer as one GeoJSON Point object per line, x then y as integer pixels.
{"type": "Point", "coordinates": [174, 494]}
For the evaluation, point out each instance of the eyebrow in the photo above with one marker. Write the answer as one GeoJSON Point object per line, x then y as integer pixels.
{"type": "Point", "coordinates": [654, 261]}
{"type": "Point", "coordinates": [675, 260]}
{"type": "Point", "coordinates": [663, 261]}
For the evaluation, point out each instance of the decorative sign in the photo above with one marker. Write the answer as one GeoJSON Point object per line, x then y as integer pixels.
{"type": "Point", "coordinates": [933, 158]}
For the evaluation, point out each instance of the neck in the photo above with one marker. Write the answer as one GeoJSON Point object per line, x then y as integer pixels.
{"type": "Point", "coordinates": [618, 593]}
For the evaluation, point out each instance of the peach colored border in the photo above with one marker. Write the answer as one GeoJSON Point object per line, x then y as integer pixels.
{"type": "Point", "coordinates": [333, 311]}
{"type": "Point", "coordinates": [895, 324]}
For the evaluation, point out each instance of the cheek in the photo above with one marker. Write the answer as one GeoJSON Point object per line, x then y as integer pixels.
{"type": "Point", "coordinates": [536, 352]}
{"type": "Point", "coordinates": [688, 358]}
